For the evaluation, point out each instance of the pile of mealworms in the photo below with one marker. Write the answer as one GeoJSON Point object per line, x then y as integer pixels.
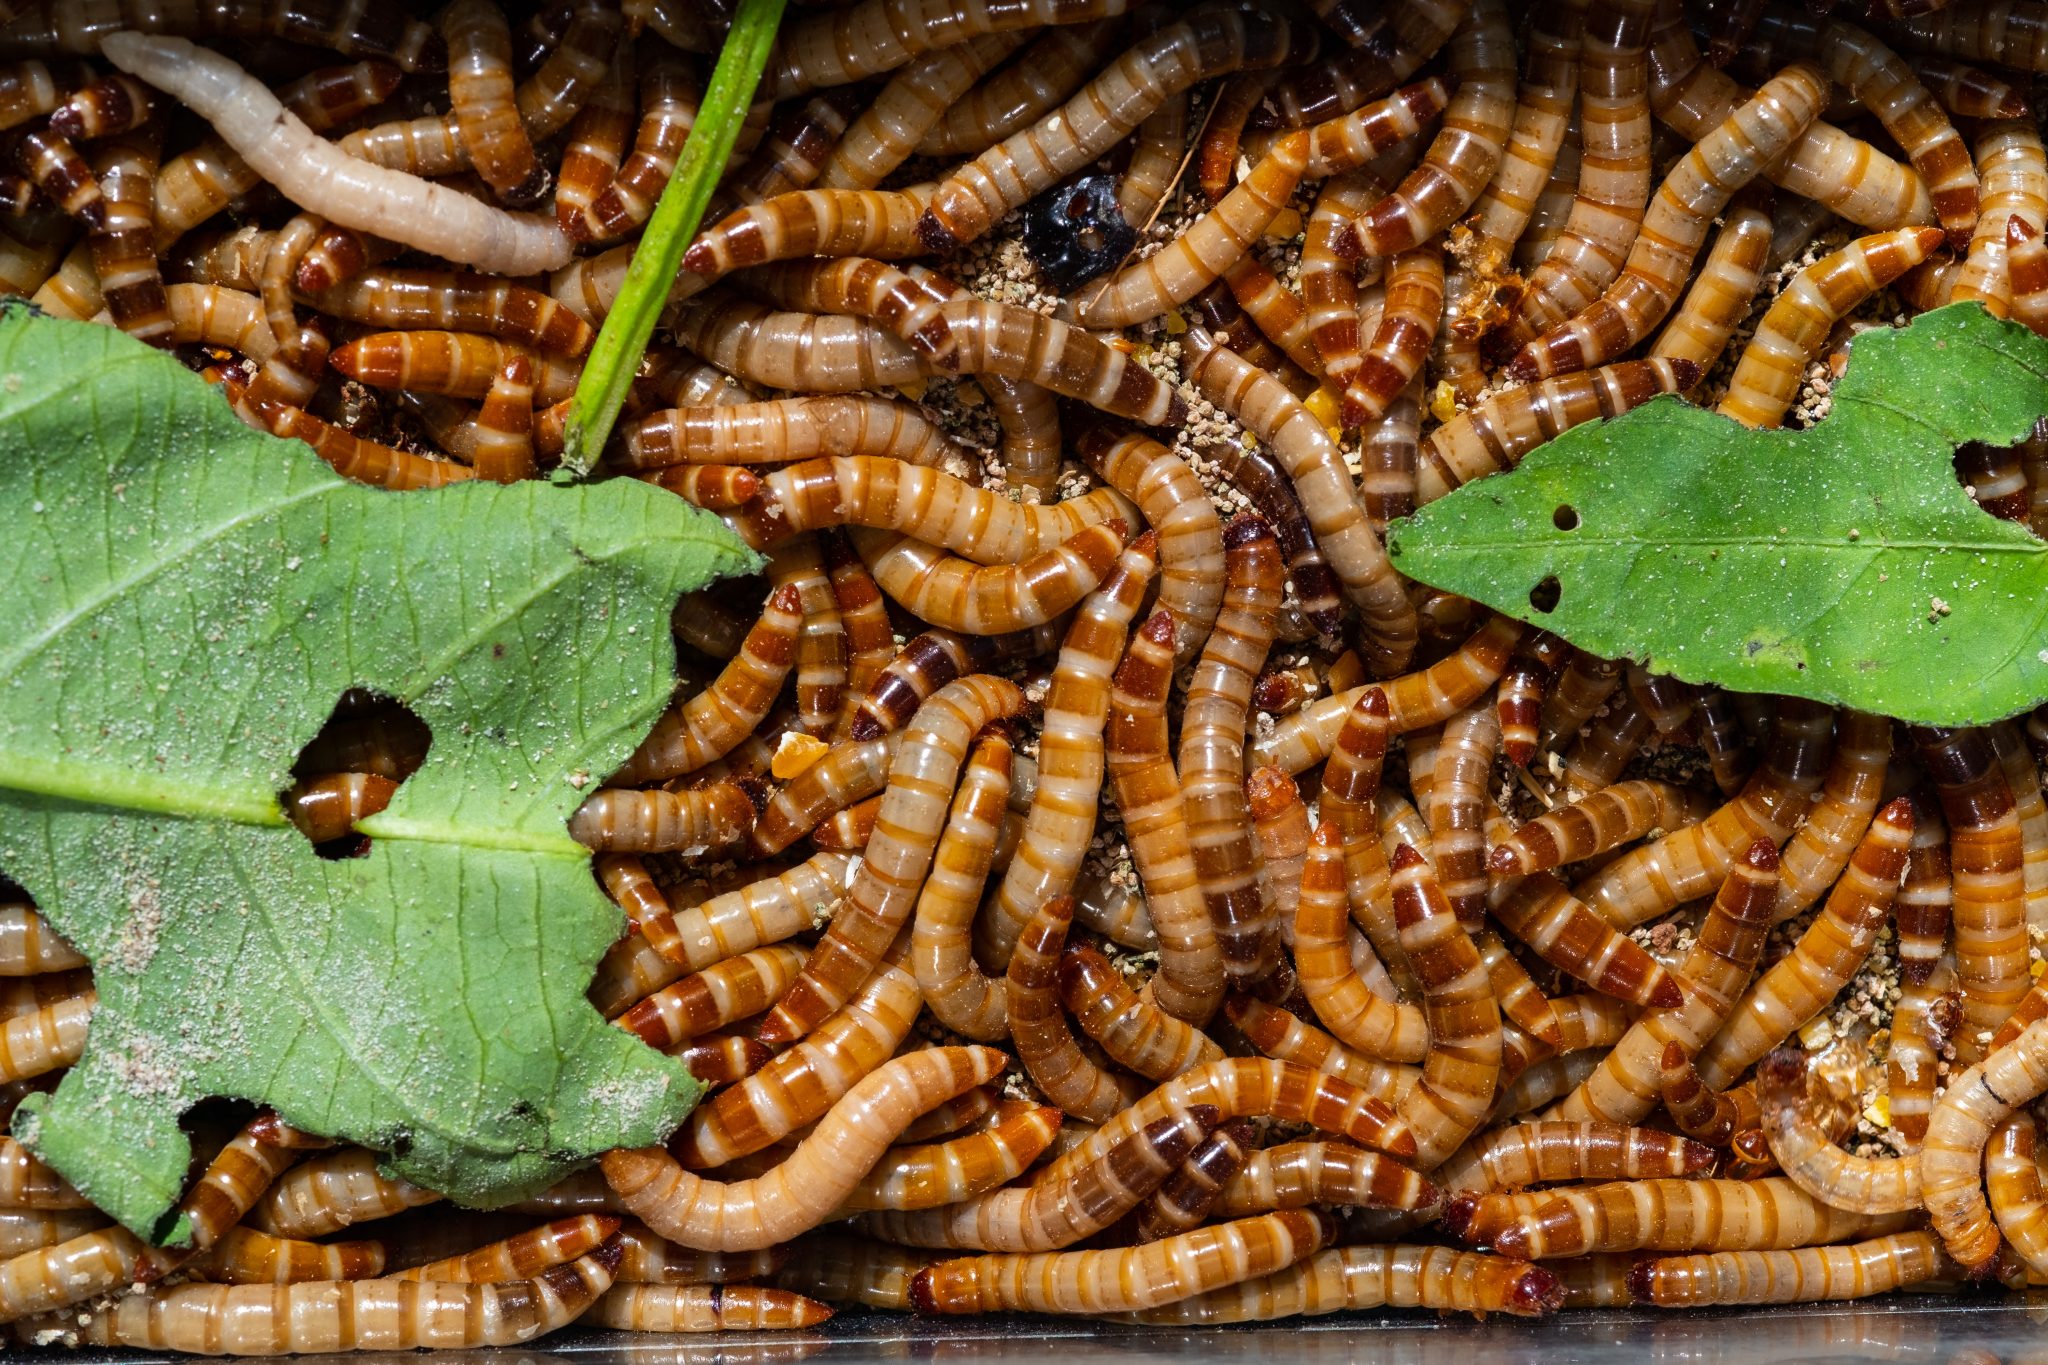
{"type": "Point", "coordinates": [1091, 878]}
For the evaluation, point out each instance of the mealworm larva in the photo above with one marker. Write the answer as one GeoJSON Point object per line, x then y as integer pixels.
{"type": "Point", "coordinates": [1967, 91]}
{"type": "Point", "coordinates": [26, 1183]}
{"type": "Point", "coordinates": [2007, 35]}
{"type": "Point", "coordinates": [1045, 74]}
{"type": "Point", "coordinates": [960, 995]}
{"type": "Point", "coordinates": [327, 808]}
{"type": "Point", "coordinates": [1357, 1277]}
{"type": "Point", "coordinates": [1882, 82]}
{"type": "Point", "coordinates": [1467, 148]}
{"type": "Point", "coordinates": [1201, 252]}
{"type": "Point", "coordinates": [899, 854]}
{"type": "Point", "coordinates": [122, 241]}
{"type": "Point", "coordinates": [811, 1182]}
{"type": "Point", "coordinates": [1613, 177]}
{"type": "Point", "coordinates": [1149, 796]}
{"type": "Point", "coordinates": [1134, 1033]}
{"type": "Point", "coordinates": [1672, 231]}
{"type": "Point", "coordinates": [910, 106]}
{"type": "Point", "coordinates": [343, 1315]}
{"type": "Point", "coordinates": [870, 639]}
{"type": "Point", "coordinates": [1545, 107]}
{"type": "Point", "coordinates": [1988, 859]}
{"type": "Point", "coordinates": [25, 1230]}
{"type": "Point", "coordinates": [1122, 1280]}
{"type": "Point", "coordinates": [1461, 1068]}
{"type": "Point", "coordinates": [1721, 294]}
{"type": "Point", "coordinates": [1342, 82]}
{"type": "Point", "coordinates": [1354, 142]}
{"type": "Point", "coordinates": [1414, 700]}
{"type": "Point", "coordinates": [521, 1256]}
{"type": "Point", "coordinates": [1810, 1275]}
{"type": "Point", "coordinates": [1605, 747]}
{"type": "Point", "coordinates": [595, 143]}
{"type": "Point", "coordinates": [847, 773]}
{"type": "Point", "coordinates": [1047, 1214]}
{"type": "Point", "coordinates": [1402, 341]}
{"type": "Point", "coordinates": [867, 39]}
{"type": "Point", "coordinates": [1560, 928]}
{"type": "Point", "coordinates": [932, 659]}
{"type": "Point", "coordinates": [710, 723]}
{"type": "Point", "coordinates": [1495, 435]}
{"type": "Point", "coordinates": [946, 1173]}
{"type": "Point", "coordinates": [668, 109]}
{"type": "Point", "coordinates": [1457, 809]}
{"type": "Point", "coordinates": [703, 1308]}
{"type": "Point", "coordinates": [956, 1115]}
{"type": "Point", "coordinates": [1280, 826]}
{"type": "Point", "coordinates": [1543, 1153]}
{"type": "Point", "coordinates": [782, 430]}
{"type": "Point", "coordinates": [502, 449]}
{"type": "Point", "coordinates": [482, 93]}
{"type": "Point", "coordinates": [1958, 1132]}
{"type": "Point", "coordinates": [802, 1083]}
{"type": "Point", "coordinates": [42, 1040]}
{"type": "Point", "coordinates": [1518, 702]}
{"type": "Point", "coordinates": [245, 1256]}
{"type": "Point", "coordinates": [1681, 1215]}
{"type": "Point", "coordinates": [237, 1176]}
{"type": "Point", "coordinates": [2014, 172]}
{"type": "Point", "coordinates": [70, 1272]}
{"type": "Point", "coordinates": [1711, 1117]}
{"type": "Point", "coordinates": [428, 146]}
{"type": "Point", "coordinates": [1827, 955]}
{"type": "Point", "coordinates": [1060, 820]}
{"type": "Point", "coordinates": [1583, 686]}
{"type": "Point", "coordinates": [845, 1269]}
{"type": "Point", "coordinates": [44, 29]}
{"type": "Point", "coordinates": [62, 175]}
{"type": "Point", "coordinates": [1282, 1036]}
{"type": "Point", "coordinates": [1212, 749]}
{"type": "Point", "coordinates": [1328, 274]}
{"type": "Point", "coordinates": [722, 994]}
{"type": "Point", "coordinates": [1654, 879]}
{"type": "Point", "coordinates": [332, 1192]}
{"type": "Point", "coordinates": [1809, 1157]}
{"type": "Point", "coordinates": [550, 97]}
{"type": "Point", "coordinates": [1038, 1028]}
{"type": "Point", "coordinates": [1595, 824]}
{"type": "Point", "coordinates": [2012, 1175]}
{"type": "Point", "coordinates": [792, 149]}
{"type": "Point", "coordinates": [874, 223]}
{"type": "Point", "coordinates": [1273, 497]}
{"type": "Point", "coordinates": [648, 1259]}
{"type": "Point", "coordinates": [1190, 532]}
{"type": "Point", "coordinates": [1826, 165]}
{"type": "Point", "coordinates": [1325, 487]}
{"type": "Point", "coordinates": [459, 301]}
{"type": "Point", "coordinates": [1184, 1200]}
{"type": "Point", "coordinates": [1819, 850]}
{"type": "Point", "coordinates": [1629, 1081]}
{"type": "Point", "coordinates": [1297, 1174]}
{"type": "Point", "coordinates": [458, 364]}
{"type": "Point", "coordinates": [618, 819]}
{"type": "Point", "coordinates": [1206, 44]}
{"type": "Point", "coordinates": [1016, 343]}
{"type": "Point", "coordinates": [1277, 315]}
{"type": "Point", "coordinates": [317, 174]}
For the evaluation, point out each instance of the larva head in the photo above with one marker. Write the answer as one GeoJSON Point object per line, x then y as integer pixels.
{"type": "Point", "coordinates": [1245, 530]}
{"type": "Point", "coordinates": [1536, 1291]}
{"type": "Point", "coordinates": [1674, 1072]}
{"type": "Point", "coordinates": [1417, 896]}
{"type": "Point", "coordinates": [1269, 791]}
{"type": "Point", "coordinates": [1642, 1279]}
{"type": "Point", "coordinates": [922, 1299]}
{"type": "Point", "coordinates": [1459, 1214]}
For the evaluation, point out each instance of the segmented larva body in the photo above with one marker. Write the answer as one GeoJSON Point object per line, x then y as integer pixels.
{"type": "Point", "coordinates": [2014, 174]}
{"type": "Point", "coordinates": [1282, 1036]}
{"type": "Point", "coordinates": [40, 1041]}
{"type": "Point", "coordinates": [782, 430]}
{"type": "Point", "coordinates": [622, 820]}
{"type": "Point", "coordinates": [458, 364]}
{"type": "Point", "coordinates": [484, 98]}
{"type": "Point", "coordinates": [29, 946]}
{"type": "Point", "coordinates": [1544, 109]}
{"type": "Point", "coordinates": [1543, 1153]}
{"type": "Point", "coordinates": [331, 1192]}
{"type": "Point", "coordinates": [1327, 492]}
{"type": "Point", "coordinates": [1605, 747]}
{"type": "Point", "coordinates": [1809, 1156]}
{"type": "Point", "coordinates": [1883, 83]}
{"type": "Point", "coordinates": [237, 1176]}
{"type": "Point", "coordinates": [1388, 459]}
{"type": "Point", "coordinates": [1195, 258]}
{"type": "Point", "coordinates": [1380, 1027]}
{"type": "Point", "coordinates": [522, 1255]}
{"type": "Point", "coordinates": [703, 1308]}
{"type": "Point", "coordinates": [952, 983]}
{"type": "Point", "coordinates": [1103, 113]}
{"type": "Point", "coordinates": [1989, 888]}
{"type": "Point", "coordinates": [910, 107]}
{"type": "Point", "coordinates": [1967, 91]}
{"type": "Point", "coordinates": [1826, 165]}
{"type": "Point", "coordinates": [1401, 342]}
{"type": "Point", "coordinates": [2010, 35]}
{"type": "Point", "coordinates": [1122, 1280]}
{"type": "Point", "coordinates": [1952, 1155]}
{"type": "Point", "coordinates": [595, 143]}
{"type": "Point", "coordinates": [1629, 1081]}
{"type": "Point", "coordinates": [1038, 1028]}
{"type": "Point", "coordinates": [1565, 933]}
{"type": "Point", "coordinates": [1461, 1068]}
{"type": "Point", "coordinates": [1613, 172]}
{"type": "Point", "coordinates": [1047, 1215]}
{"type": "Point", "coordinates": [1134, 1033]}
{"type": "Point", "coordinates": [1046, 73]}
{"type": "Point", "coordinates": [1826, 956]}
{"type": "Point", "coordinates": [801, 1084]}
{"type": "Point", "coordinates": [1687, 863]}
{"type": "Point", "coordinates": [1356, 1277]}
{"type": "Point", "coordinates": [1808, 1275]}
{"type": "Point", "coordinates": [847, 773]}
{"type": "Point", "coordinates": [946, 1173]}
{"type": "Point", "coordinates": [1280, 825]}
{"type": "Point", "coordinates": [876, 223]}
{"type": "Point", "coordinates": [343, 1315]}
{"type": "Point", "coordinates": [811, 1182]}
{"type": "Point", "coordinates": [1814, 858]}
{"type": "Point", "coordinates": [1016, 343]}
{"type": "Point", "coordinates": [1467, 149]}
{"type": "Point", "coordinates": [1187, 1197]}
{"type": "Point", "coordinates": [1169, 497]}
{"type": "Point", "coordinates": [2012, 1176]}
{"type": "Point", "coordinates": [244, 1256]}
{"type": "Point", "coordinates": [713, 721]}
{"type": "Point", "coordinates": [1494, 436]}
{"type": "Point", "coordinates": [1681, 1215]}
{"type": "Point", "coordinates": [1676, 224]}
{"type": "Point", "coordinates": [722, 994]}
{"type": "Point", "coordinates": [457, 301]}
{"type": "Point", "coordinates": [1721, 293]}
{"type": "Point", "coordinates": [1605, 820]}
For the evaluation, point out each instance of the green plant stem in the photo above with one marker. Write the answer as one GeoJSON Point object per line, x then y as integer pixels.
{"type": "Point", "coordinates": [615, 358]}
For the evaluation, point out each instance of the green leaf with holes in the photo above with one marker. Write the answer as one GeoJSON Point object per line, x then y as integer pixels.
{"type": "Point", "coordinates": [186, 599]}
{"type": "Point", "coordinates": [1843, 563]}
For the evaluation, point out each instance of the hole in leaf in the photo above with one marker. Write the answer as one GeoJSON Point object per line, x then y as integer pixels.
{"type": "Point", "coordinates": [352, 768]}
{"type": "Point", "coordinates": [1544, 595]}
{"type": "Point", "coordinates": [1565, 518]}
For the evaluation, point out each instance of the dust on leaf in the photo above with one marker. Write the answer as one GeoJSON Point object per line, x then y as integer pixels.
{"type": "Point", "coordinates": [187, 599]}
{"type": "Point", "coordinates": [1843, 563]}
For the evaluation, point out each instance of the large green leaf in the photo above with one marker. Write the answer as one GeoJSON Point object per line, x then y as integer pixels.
{"type": "Point", "coordinates": [185, 601]}
{"type": "Point", "coordinates": [1842, 563]}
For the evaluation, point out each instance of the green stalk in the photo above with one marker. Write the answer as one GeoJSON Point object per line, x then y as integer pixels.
{"type": "Point", "coordinates": [622, 341]}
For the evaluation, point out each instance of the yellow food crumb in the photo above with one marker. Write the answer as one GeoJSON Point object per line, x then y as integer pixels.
{"type": "Point", "coordinates": [1285, 224]}
{"type": "Point", "coordinates": [1175, 323]}
{"type": "Point", "coordinates": [1817, 1035]}
{"type": "Point", "coordinates": [1879, 1112]}
{"type": "Point", "coordinates": [1443, 402]}
{"type": "Point", "coordinates": [1322, 405]}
